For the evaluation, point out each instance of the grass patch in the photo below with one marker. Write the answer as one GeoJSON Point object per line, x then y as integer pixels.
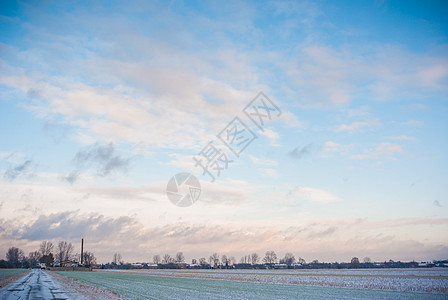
{"type": "Point", "coordinates": [10, 272]}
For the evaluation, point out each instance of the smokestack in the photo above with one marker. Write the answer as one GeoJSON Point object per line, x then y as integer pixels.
{"type": "Point", "coordinates": [82, 250]}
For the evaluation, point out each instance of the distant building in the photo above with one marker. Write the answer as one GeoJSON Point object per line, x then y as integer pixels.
{"type": "Point", "coordinates": [427, 264]}
{"type": "Point", "coordinates": [180, 265]}
{"type": "Point", "coordinates": [280, 266]}
{"type": "Point", "coordinates": [194, 266]}
{"type": "Point", "coordinates": [296, 266]}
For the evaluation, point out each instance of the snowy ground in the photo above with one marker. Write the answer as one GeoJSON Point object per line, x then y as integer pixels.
{"type": "Point", "coordinates": [39, 284]}
{"type": "Point", "coordinates": [231, 284]}
{"type": "Point", "coordinates": [202, 284]}
{"type": "Point", "coordinates": [403, 280]}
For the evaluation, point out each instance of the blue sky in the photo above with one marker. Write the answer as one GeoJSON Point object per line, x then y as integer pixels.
{"type": "Point", "coordinates": [102, 103]}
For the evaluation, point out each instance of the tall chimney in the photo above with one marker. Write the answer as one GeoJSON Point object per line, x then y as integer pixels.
{"type": "Point", "coordinates": [82, 250]}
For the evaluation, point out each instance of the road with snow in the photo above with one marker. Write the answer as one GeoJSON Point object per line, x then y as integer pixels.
{"type": "Point", "coordinates": [35, 285]}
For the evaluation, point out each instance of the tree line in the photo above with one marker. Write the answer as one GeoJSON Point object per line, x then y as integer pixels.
{"type": "Point", "coordinates": [252, 260]}
{"type": "Point", "coordinates": [270, 257]}
{"type": "Point", "coordinates": [46, 254]}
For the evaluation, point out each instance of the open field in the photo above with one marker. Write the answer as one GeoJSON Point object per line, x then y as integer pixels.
{"type": "Point", "coordinates": [10, 275]}
{"type": "Point", "coordinates": [10, 272]}
{"type": "Point", "coordinates": [403, 280]}
{"type": "Point", "coordinates": [263, 284]}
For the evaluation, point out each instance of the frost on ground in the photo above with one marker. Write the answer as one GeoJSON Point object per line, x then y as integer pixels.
{"type": "Point", "coordinates": [172, 284]}
{"type": "Point", "coordinates": [79, 290]}
{"type": "Point", "coordinates": [39, 284]}
{"type": "Point", "coordinates": [7, 276]}
{"type": "Point", "coordinates": [36, 284]}
{"type": "Point", "coordinates": [402, 280]}
{"type": "Point", "coordinates": [11, 272]}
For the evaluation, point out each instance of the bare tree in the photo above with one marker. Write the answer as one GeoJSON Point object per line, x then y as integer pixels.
{"type": "Point", "coordinates": [117, 258]}
{"type": "Point", "coordinates": [64, 252]}
{"type": "Point", "coordinates": [89, 258]}
{"type": "Point", "coordinates": [367, 259]}
{"type": "Point", "coordinates": [69, 252]}
{"type": "Point", "coordinates": [232, 260]}
{"type": "Point", "coordinates": [254, 258]}
{"type": "Point", "coordinates": [156, 259]}
{"type": "Point", "coordinates": [33, 258]}
{"type": "Point", "coordinates": [180, 257]}
{"type": "Point", "coordinates": [202, 261]}
{"type": "Point", "coordinates": [46, 247]}
{"type": "Point", "coordinates": [315, 261]}
{"type": "Point", "coordinates": [60, 253]}
{"type": "Point", "coordinates": [14, 256]}
{"type": "Point", "coordinates": [167, 259]}
{"type": "Point", "coordinates": [224, 259]}
{"type": "Point", "coordinates": [289, 259]}
{"type": "Point", "coordinates": [214, 258]}
{"type": "Point", "coordinates": [47, 259]}
{"type": "Point", "coordinates": [194, 261]}
{"type": "Point", "coordinates": [301, 261]}
{"type": "Point", "coordinates": [246, 259]}
{"type": "Point", "coordinates": [270, 257]}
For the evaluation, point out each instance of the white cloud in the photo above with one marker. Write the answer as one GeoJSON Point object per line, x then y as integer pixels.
{"type": "Point", "coordinates": [12, 157]}
{"type": "Point", "coordinates": [110, 115]}
{"type": "Point", "coordinates": [225, 192]}
{"type": "Point", "coordinates": [354, 126]}
{"type": "Point", "coordinates": [388, 149]}
{"type": "Point", "coordinates": [175, 98]}
{"type": "Point", "coordinates": [329, 76]}
{"type": "Point", "coordinates": [314, 195]}
{"type": "Point", "coordinates": [383, 149]}
{"type": "Point", "coordinates": [433, 74]}
{"type": "Point", "coordinates": [271, 135]}
{"type": "Point", "coordinates": [402, 138]}
{"type": "Point", "coordinates": [413, 123]}
{"type": "Point", "coordinates": [183, 162]}
{"type": "Point", "coordinates": [268, 172]}
{"type": "Point", "coordinates": [291, 120]}
{"type": "Point", "coordinates": [266, 162]}
{"type": "Point", "coordinates": [419, 106]}
{"type": "Point", "coordinates": [105, 234]}
{"type": "Point", "coordinates": [335, 147]}
{"type": "Point", "coordinates": [359, 112]}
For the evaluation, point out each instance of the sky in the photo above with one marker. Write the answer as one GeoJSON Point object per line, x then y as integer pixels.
{"type": "Point", "coordinates": [103, 102]}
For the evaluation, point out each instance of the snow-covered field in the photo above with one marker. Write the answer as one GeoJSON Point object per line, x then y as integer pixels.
{"type": "Point", "coordinates": [271, 284]}
{"type": "Point", "coordinates": [403, 280]}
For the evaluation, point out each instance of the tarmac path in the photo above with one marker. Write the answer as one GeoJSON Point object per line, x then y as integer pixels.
{"type": "Point", "coordinates": [35, 285]}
